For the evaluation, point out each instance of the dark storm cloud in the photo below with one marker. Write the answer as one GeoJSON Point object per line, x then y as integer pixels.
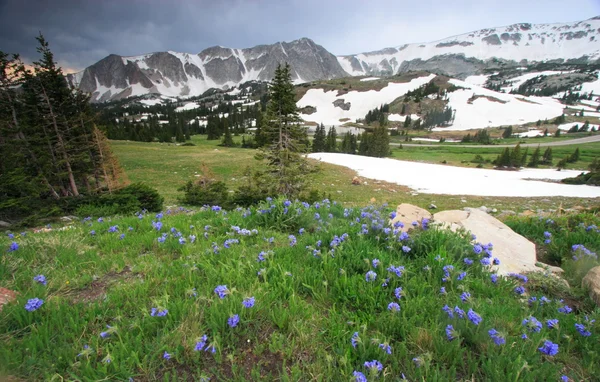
{"type": "Point", "coordinates": [82, 32]}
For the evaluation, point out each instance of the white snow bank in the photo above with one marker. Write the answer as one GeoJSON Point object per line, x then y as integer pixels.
{"type": "Point", "coordinates": [499, 110]}
{"type": "Point", "coordinates": [520, 80]}
{"type": "Point", "coordinates": [590, 103]}
{"type": "Point", "coordinates": [188, 106]}
{"type": "Point", "coordinates": [477, 80]}
{"type": "Point", "coordinates": [440, 179]}
{"type": "Point", "coordinates": [360, 102]}
{"type": "Point", "coordinates": [369, 79]}
{"type": "Point", "coordinates": [150, 102]}
{"type": "Point", "coordinates": [593, 86]}
{"type": "Point", "coordinates": [425, 139]}
{"type": "Point", "coordinates": [568, 126]}
{"type": "Point", "coordinates": [401, 118]}
{"type": "Point", "coordinates": [531, 134]}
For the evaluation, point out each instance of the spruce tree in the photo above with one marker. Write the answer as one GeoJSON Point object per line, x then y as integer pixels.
{"type": "Point", "coordinates": [574, 157]}
{"type": "Point", "coordinates": [331, 142]}
{"type": "Point", "coordinates": [507, 133]}
{"type": "Point", "coordinates": [227, 138]}
{"type": "Point", "coordinates": [286, 138]}
{"type": "Point", "coordinates": [547, 157]}
{"type": "Point", "coordinates": [318, 143]}
{"type": "Point", "coordinates": [515, 156]}
{"type": "Point", "coordinates": [535, 158]}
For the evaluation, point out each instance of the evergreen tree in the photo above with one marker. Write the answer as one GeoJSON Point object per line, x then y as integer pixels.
{"type": "Point", "coordinates": [407, 122]}
{"type": "Point", "coordinates": [318, 143]}
{"type": "Point", "coordinates": [507, 133]}
{"type": "Point", "coordinates": [331, 143]}
{"type": "Point", "coordinates": [547, 157]}
{"type": "Point", "coordinates": [285, 137]}
{"type": "Point", "coordinates": [557, 133]}
{"type": "Point", "coordinates": [515, 156]}
{"type": "Point", "coordinates": [227, 138]}
{"type": "Point", "coordinates": [535, 158]}
{"type": "Point", "coordinates": [379, 144]}
{"type": "Point", "coordinates": [574, 157]}
{"type": "Point", "coordinates": [504, 160]}
{"type": "Point", "coordinates": [523, 160]}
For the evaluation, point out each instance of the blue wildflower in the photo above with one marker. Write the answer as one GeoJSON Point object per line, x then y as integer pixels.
{"type": "Point", "coordinates": [494, 278]}
{"type": "Point", "coordinates": [519, 290]}
{"type": "Point", "coordinates": [552, 323]}
{"type": "Point", "coordinates": [448, 311]}
{"type": "Point", "coordinates": [374, 365]}
{"type": "Point", "coordinates": [497, 337]}
{"type": "Point", "coordinates": [370, 276]}
{"type": "Point", "coordinates": [113, 228]}
{"type": "Point", "coordinates": [233, 321]}
{"type": "Point", "coordinates": [166, 355]}
{"type": "Point", "coordinates": [375, 263]}
{"type": "Point", "coordinates": [359, 377]}
{"type": "Point", "coordinates": [33, 304]}
{"type": "Point", "coordinates": [156, 312]}
{"type": "Point", "coordinates": [355, 340]}
{"type": "Point", "coordinates": [467, 261]}
{"type": "Point", "coordinates": [581, 329]}
{"type": "Point", "coordinates": [477, 249]}
{"type": "Point", "coordinates": [532, 324]}
{"type": "Point", "coordinates": [450, 333]}
{"type": "Point", "coordinates": [461, 276]}
{"type": "Point", "coordinates": [386, 348]}
{"type": "Point", "coordinates": [248, 302]}
{"type": "Point", "coordinates": [565, 309]}
{"type": "Point", "coordinates": [459, 312]}
{"type": "Point", "coordinates": [549, 348]}
{"type": "Point", "coordinates": [465, 296]}
{"type": "Point", "coordinates": [40, 279]}
{"type": "Point", "coordinates": [201, 343]}
{"type": "Point", "coordinates": [474, 317]}
{"type": "Point", "coordinates": [496, 261]}
{"type": "Point", "coordinates": [405, 249]}
{"type": "Point", "coordinates": [398, 292]}
{"type": "Point", "coordinates": [222, 291]}
{"type": "Point", "coordinates": [443, 290]}
{"type": "Point", "coordinates": [13, 246]}
{"type": "Point", "coordinates": [292, 239]}
{"type": "Point", "coordinates": [394, 307]}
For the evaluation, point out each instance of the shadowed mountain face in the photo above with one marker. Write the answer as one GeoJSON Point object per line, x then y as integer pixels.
{"type": "Point", "coordinates": [184, 74]}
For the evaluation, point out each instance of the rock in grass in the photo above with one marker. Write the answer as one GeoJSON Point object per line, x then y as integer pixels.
{"type": "Point", "coordinates": [6, 296]}
{"type": "Point", "coordinates": [407, 214]}
{"type": "Point", "coordinates": [592, 281]}
{"type": "Point", "coordinates": [516, 253]}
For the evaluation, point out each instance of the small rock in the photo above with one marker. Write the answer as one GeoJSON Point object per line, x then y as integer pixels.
{"type": "Point", "coordinates": [483, 208]}
{"type": "Point", "coordinates": [463, 201]}
{"type": "Point", "coordinates": [432, 206]}
{"type": "Point", "coordinates": [4, 224]}
{"type": "Point", "coordinates": [68, 219]}
{"type": "Point", "coordinates": [6, 296]}
{"type": "Point", "coordinates": [356, 181]}
{"type": "Point", "coordinates": [592, 281]}
{"type": "Point", "coordinates": [494, 210]}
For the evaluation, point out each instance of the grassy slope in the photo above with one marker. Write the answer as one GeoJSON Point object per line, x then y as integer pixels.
{"type": "Point", "coordinates": [307, 307]}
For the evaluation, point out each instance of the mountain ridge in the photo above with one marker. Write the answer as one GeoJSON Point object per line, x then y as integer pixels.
{"type": "Point", "coordinates": [181, 74]}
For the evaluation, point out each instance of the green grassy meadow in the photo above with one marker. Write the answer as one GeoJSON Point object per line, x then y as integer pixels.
{"type": "Point", "coordinates": [284, 292]}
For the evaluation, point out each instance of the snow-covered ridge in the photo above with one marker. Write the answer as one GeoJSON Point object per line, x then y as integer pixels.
{"type": "Point", "coordinates": [517, 42]}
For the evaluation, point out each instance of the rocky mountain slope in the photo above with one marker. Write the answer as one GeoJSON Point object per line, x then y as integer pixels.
{"type": "Point", "coordinates": [470, 53]}
{"type": "Point", "coordinates": [184, 75]}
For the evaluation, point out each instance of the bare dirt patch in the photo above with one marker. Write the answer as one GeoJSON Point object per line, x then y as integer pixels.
{"type": "Point", "coordinates": [98, 288]}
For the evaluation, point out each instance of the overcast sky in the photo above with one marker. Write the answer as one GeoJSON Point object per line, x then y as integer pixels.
{"type": "Point", "coordinates": [83, 32]}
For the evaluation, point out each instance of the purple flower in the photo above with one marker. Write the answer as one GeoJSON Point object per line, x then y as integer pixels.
{"type": "Point", "coordinates": [113, 228]}
{"type": "Point", "coordinates": [477, 249]}
{"type": "Point", "coordinates": [396, 270]}
{"type": "Point", "coordinates": [40, 279]}
{"type": "Point", "coordinates": [398, 292]}
{"type": "Point", "coordinates": [201, 343]}
{"type": "Point", "coordinates": [222, 291]}
{"type": "Point", "coordinates": [374, 365]}
{"type": "Point", "coordinates": [248, 302]}
{"type": "Point", "coordinates": [166, 355]}
{"type": "Point", "coordinates": [375, 263]}
{"type": "Point", "coordinates": [496, 337]}
{"type": "Point", "coordinates": [292, 239]}
{"type": "Point", "coordinates": [547, 235]}
{"type": "Point", "coordinates": [92, 232]}
{"type": "Point", "coordinates": [33, 304]}
{"type": "Point", "coordinates": [519, 290]}
{"type": "Point", "coordinates": [387, 348]}
{"type": "Point", "coordinates": [394, 307]}
{"type": "Point", "coordinates": [549, 348]}
{"type": "Point", "coordinates": [359, 377]}
{"type": "Point", "coordinates": [442, 290]}
{"type": "Point", "coordinates": [565, 309]}
{"type": "Point", "coordinates": [448, 310]}
{"type": "Point", "coordinates": [581, 329]}
{"type": "Point", "coordinates": [461, 276]}
{"type": "Point", "coordinates": [496, 261]}
{"type": "Point", "coordinates": [494, 278]}
{"type": "Point", "coordinates": [552, 323]}
{"type": "Point", "coordinates": [233, 321]}
{"type": "Point", "coordinates": [155, 312]}
{"type": "Point", "coordinates": [474, 317]}
{"type": "Point", "coordinates": [405, 249]}
{"type": "Point", "coordinates": [13, 246]}
{"type": "Point", "coordinates": [485, 261]}
{"type": "Point", "coordinates": [532, 324]}
{"type": "Point", "coordinates": [107, 333]}
{"type": "Point", "coordinates": [355, 339]}
{"type": "Point", "coordinates": [370, 276]}
{"type": "Point", "coordinates": [468, 261]}
{"type": "Point", "coordinates": [465, 296]}
{"type": "Point", "coordinates": [450, 333]}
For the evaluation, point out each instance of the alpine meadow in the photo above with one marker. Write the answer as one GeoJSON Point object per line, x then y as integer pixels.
{"type": "Point", "coordinates": [423, 212]}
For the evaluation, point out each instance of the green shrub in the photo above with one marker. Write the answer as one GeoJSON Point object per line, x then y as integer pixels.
{"type": "Point", "coordinates": [205, 191]}
{"type": "Point", "coordinates": [147, 196]}
{"type": "Point", "coordinates": [188, 144]}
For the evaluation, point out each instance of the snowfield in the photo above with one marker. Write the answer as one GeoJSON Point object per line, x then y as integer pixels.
{"type": "Point", "coordinates": [361, 102]}
{"type": "Point", "coordinates": [440, 179]}
{"type": "Point", "coordinates": [401, 118]}
{"type": "Point", "coordinates": [499, 109]}
{"type": "Point", "coordinates": [369, 79]}
{"type": "Point", "coordinates": [568, 126]}
{"type": "Point", "coordinates": [531, 134]}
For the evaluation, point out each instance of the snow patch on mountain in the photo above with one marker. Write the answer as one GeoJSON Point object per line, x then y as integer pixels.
{"type": "Point", "coordinates": [477, 107]}
{"type": "Point", "coordinates": [360, 102]}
